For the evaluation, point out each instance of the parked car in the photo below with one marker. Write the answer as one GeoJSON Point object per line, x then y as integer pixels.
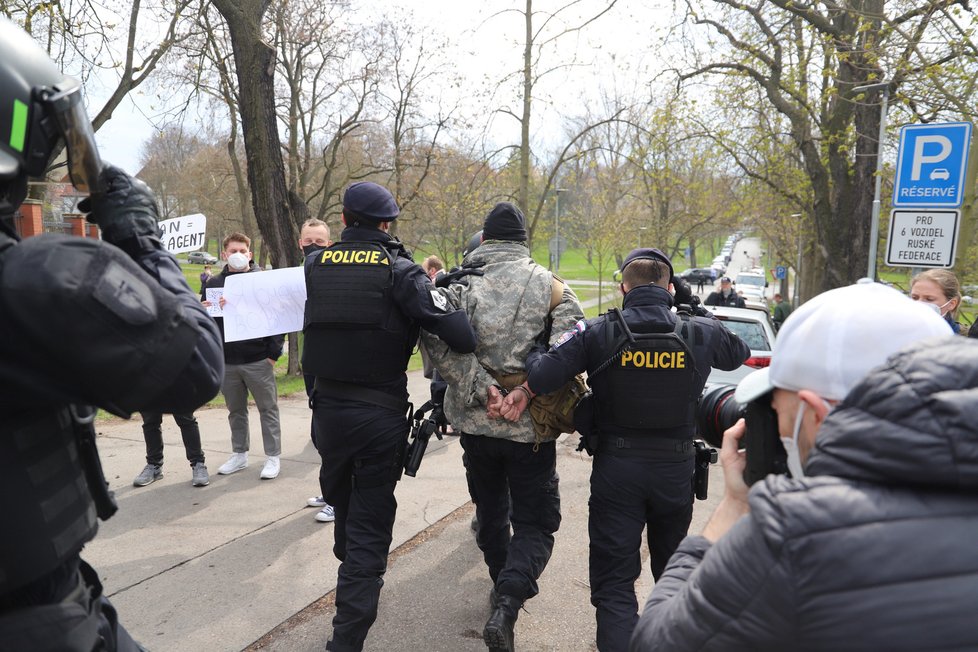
{"type": "Point", "coordinates": [697, 274]}
{"type": "Point", "coordinates": [752, 284]}
{"type": "Point", "coordinates": [201, 257]}
{"type": "Point", "coordinates": [757, 331]}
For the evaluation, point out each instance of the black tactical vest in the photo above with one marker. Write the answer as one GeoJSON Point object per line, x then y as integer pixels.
{"type": "Point", "coordinates": [354, 332]}
{"type": "Point", "coordinates": [46, 501]}
{"type": "Point", "coordinates": [649, 383]}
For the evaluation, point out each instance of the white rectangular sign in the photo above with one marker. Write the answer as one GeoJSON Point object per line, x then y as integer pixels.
{"type": "Point", "coordinates": [187, 233]}
{"type": "Point", "coordinates": [922, 237]}
{"type": "Point", "coordinates": [259, 304]}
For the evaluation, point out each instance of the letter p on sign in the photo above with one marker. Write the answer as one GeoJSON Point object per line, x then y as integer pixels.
{"type": "Point", "coordinates": [920, 158]}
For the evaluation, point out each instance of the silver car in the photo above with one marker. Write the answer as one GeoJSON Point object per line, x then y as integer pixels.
{"type": "Point", "coordinates": [757, 331]}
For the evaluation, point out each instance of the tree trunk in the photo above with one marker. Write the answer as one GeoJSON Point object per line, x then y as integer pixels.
{"type": "Point", "coordinates": [254, 62]}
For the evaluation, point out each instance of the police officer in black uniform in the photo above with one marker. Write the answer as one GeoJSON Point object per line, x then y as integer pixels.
{"type": "Point", "coordinates": [366, 300]}
{"type": "Point", "coordinates": [83, 322]}
{"type": "Point", "coordinates": [646, 367]}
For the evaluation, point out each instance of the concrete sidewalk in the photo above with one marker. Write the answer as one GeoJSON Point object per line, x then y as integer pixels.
{"type": "Point", "coordinates": [243, 564]}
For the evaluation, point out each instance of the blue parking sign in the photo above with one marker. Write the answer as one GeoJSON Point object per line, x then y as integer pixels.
{"type": "Point", "coordinates": [931, 164]}
{"type": "Point", "coordinates": [780, 272]}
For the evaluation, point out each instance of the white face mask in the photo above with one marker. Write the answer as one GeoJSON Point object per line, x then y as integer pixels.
{"type": "Point", "coordinates": [791, 445]}
{"type": "Point", "coordinates": [238, 261]}
{"type": "Point", "coordinates": [939, 309]}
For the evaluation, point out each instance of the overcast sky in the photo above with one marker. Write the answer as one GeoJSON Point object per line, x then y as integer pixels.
{"type": "Point", "coordinates": [620, 49]}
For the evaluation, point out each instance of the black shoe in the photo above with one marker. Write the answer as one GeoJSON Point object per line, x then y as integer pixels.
{"type": "Point", "coordinates": [498, 633]}
{"type": "Point", "coordinates": [493, 599]}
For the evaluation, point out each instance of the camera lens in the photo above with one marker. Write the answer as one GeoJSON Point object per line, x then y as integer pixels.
{"type": "Point", "coordinates": [716, 411]}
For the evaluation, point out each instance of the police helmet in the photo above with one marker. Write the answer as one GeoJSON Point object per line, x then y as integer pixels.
{"type": "Point", "coordinates": [473, 244]}
{"type": "Point", "coordinates": [40, 107]}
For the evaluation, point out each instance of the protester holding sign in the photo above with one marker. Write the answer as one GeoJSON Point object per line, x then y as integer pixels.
{"type": "Point", "coordinates": [249, 367]}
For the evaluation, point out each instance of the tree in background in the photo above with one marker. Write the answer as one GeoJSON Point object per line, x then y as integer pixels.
{"type": "Point", "coordinates": [804, 60]}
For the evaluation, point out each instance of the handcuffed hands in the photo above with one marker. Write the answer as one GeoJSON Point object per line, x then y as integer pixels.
{"type": "Point", "coordinates": [515, 403]}
{"type": "Point", "coordinates": [494, 401]}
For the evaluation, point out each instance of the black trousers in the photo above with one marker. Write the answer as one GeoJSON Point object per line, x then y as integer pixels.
{"type": "Point", "coordinates": [366, 446]}
{"type": "Point", "coordinates": [501, 474]}
{"type": "Point", "coordinates": [628, 496]}
{"type": "Point", "coordinates": [153, 434]}
{"type": "Point", "coordinates": [63, 611]}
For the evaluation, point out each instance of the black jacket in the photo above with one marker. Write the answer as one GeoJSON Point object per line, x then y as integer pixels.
{"type": "Point", "coordinates": [585, 347]}
{"type": "Point", "coordinates": [244, 351]}
{"type": "Point", "coordinates": [874, 550]}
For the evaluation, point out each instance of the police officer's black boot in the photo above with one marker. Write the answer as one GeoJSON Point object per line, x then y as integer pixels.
{"type": "Point", "coordinates": [498, 634]}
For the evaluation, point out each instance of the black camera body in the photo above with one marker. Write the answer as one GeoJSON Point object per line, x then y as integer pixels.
{"type": "Point", "coordinates": [717, 410]}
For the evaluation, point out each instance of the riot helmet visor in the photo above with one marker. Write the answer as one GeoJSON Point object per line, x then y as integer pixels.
{"type": "Point", "coordinates": [84, 163]}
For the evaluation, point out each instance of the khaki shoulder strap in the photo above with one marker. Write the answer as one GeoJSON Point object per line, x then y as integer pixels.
{"type": "Point", "coordinates": [556, 293]}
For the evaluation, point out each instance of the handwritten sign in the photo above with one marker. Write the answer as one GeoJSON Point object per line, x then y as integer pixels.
{"type": "Point", "coordinates": [259, 304]}
{"type": "Point", "coordinates": [187, 233]}
{"type": "Point", "coordinates": [213, 296]}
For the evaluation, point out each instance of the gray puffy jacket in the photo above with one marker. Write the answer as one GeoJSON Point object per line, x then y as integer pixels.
{"type": "Point", "coordinates": [877, 551]}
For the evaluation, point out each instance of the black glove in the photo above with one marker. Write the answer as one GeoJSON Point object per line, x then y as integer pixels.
{"type": "Point", "coordinates": [456, 274]}
{"type": "Point", "coordinates": [438, 416]}
{"type": "Point", "coordinates": [684, 293]}
{"type": "Point", "coordinates": [125, 210]}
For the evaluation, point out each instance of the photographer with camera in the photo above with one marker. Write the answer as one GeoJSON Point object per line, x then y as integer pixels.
{"type": "Point", "coordinates": [870, 545]}
{"type": "Point", "coordinates": [646, 367]}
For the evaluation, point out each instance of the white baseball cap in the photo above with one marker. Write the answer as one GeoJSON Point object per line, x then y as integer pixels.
{"type": "Point", "coordinates": [829, 343]}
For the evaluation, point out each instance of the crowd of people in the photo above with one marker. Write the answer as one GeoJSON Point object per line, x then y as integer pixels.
{"type": "Point", "coordinates": [864, 543]}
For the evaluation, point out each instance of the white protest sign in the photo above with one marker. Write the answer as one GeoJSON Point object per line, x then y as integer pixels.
{"type": "Point", "coordinates": [214, 298]}
{"type": "Point", "coordinates": [187, 233]}
{"type": "Point", "coordinates": [259, 304]}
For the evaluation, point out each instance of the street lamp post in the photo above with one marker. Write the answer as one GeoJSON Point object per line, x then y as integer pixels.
{"type": "Point", "coordinates": [797, 288]}
{"type": "Point", "coordinates": [874, 233]}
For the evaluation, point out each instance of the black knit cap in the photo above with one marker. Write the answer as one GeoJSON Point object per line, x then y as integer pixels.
{"type": "Point", "coordinates": [648, 253]}
{"type": "Point", "coordinates": [370, 201]}
{"type": "Point", "coordinates": [505, 222]}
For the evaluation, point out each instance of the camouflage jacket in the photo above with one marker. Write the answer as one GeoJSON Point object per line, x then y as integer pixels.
{"type": "Point", "coordinates": [508, 309]}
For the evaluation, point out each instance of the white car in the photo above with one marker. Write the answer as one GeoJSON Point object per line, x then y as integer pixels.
{"type": "Point", "coordinates": [751, 284]}
{"type": "Point", "coordinates": [757, 331]}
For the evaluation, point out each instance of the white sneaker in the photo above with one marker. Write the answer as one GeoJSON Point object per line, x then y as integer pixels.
{"type": "Point", "coordinates": [325, 515]}
{"type": "Point", "coordinates": [316, 501]}
{"type": "Point", "coordinates": [235, 463]}
{"type": "Point", "coordinates": [271, 468]}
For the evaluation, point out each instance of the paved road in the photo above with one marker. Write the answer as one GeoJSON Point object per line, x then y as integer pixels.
{"type": "Point", "coordinates": [243, 564]}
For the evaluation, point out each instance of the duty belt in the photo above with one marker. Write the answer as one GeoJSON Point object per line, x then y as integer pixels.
{"type": "Point", "coordinates": [352, 392]}
{"type": "Point", "coordinates": [652, 446]}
